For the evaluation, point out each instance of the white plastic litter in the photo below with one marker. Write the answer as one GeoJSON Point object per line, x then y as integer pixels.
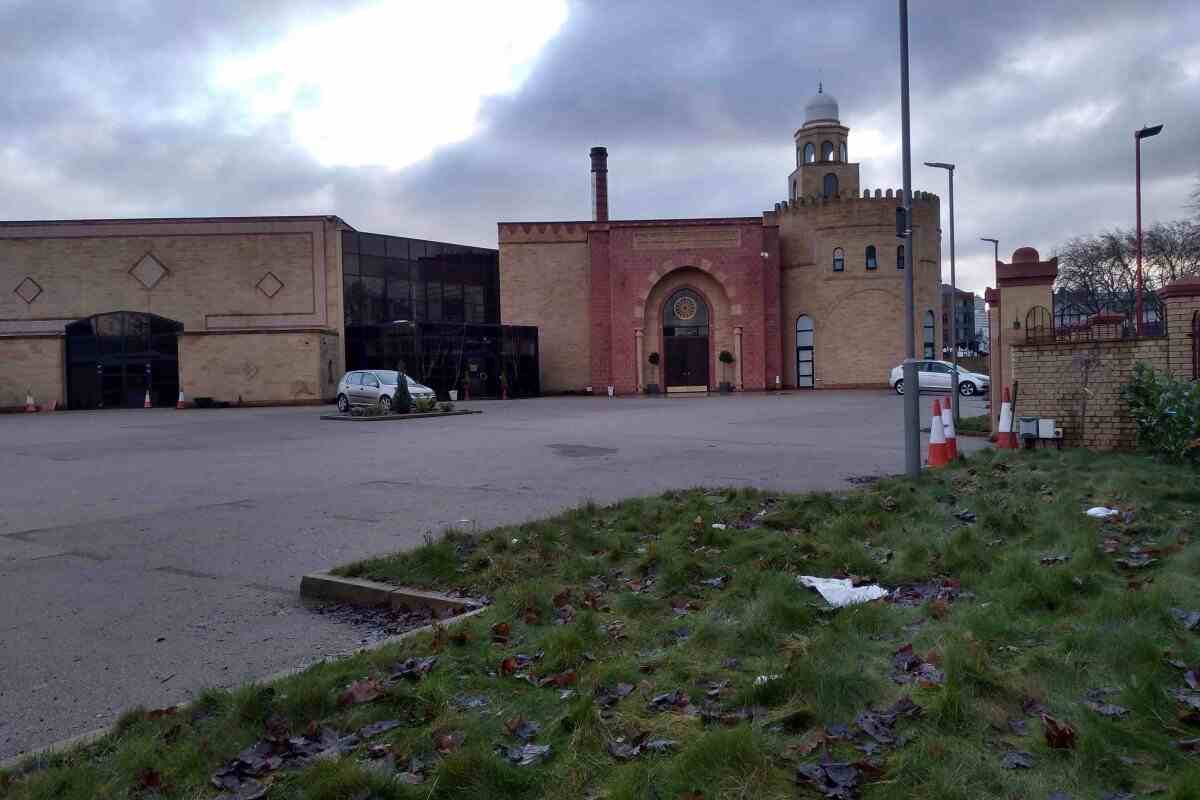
{"type": "Point", "coordinates": [763, 680]}
{"type": "Point", "coordinates": [840, 592]}
{"type": "Point", "coordinates": [1101, 512]}
{"type": "Point", "coordinates": [719, 526]}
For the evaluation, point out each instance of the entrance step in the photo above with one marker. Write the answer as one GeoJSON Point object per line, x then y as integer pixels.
{"type": "Point", "coordinates": [687, 390]}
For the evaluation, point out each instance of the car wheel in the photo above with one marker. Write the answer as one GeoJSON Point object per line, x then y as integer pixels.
{"type": "Point", "coordinates": [343, 404]}
{"type": "Point", "coordinates": [385, 404]}
{"type": "Point", "coordinates": [900, 386]}
{"type": "Point", "coordinates": [966, 389]}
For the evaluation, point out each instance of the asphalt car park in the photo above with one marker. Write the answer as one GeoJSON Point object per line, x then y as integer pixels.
{"type": "Point", "coordinates": [148, 554]}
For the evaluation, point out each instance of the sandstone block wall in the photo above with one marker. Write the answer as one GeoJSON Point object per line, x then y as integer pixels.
{"type": "Point", "coordinates": [858, 314]}
{"type": "Point", "coordinates": [545, 281]}
{"type": "Point", "coordinates": [33, 364]}
{"type": "Point", "coordinates": [288, 367]}
{"type": "Point", "coordinates": [1079, 384]}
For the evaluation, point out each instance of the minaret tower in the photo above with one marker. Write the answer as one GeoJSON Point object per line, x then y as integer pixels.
{"type": "Point", "coordinates": [823, 167]}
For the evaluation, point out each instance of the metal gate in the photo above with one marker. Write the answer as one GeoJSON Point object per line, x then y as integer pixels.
{"type": "Point", "coordinates": [805, 369]}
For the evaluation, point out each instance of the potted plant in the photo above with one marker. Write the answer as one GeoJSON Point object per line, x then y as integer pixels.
{"type": "Point", "coordinates": [726, 358]}
{"type": "Point", "coordinates": [654, 359]}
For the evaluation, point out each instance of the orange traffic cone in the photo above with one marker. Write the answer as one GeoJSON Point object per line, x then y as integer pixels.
{"type": "Point", "coordinates": [181, 403]}
{"type": "Point", "coordinates": [29, 406]}
{"type": "Point", "coordinates": [948, 431]}
{"type": "Point", "coordinates": [146, 402]}
{"type": "Point", "coordinates": [1005, 438]}
{"type": "Point", "coordinates": [938, 456]}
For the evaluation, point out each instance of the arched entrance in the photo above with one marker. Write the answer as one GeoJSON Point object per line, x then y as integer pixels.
{"type": "Point", "coordinates": [112, 359]}
{"type": "Point", "coordinates": [685, 342]}
{"type": "Point", "coordinates": [805, 369]}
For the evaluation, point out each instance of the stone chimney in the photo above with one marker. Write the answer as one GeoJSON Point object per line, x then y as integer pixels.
{"type": "Point", "coordinates": [599, 184]}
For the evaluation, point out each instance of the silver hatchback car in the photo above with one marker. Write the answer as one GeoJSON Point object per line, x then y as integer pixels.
{"type": "Point", "coordinates": [370, 387]}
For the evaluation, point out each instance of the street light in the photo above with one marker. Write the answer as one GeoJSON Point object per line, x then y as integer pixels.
{"type": "Point", "coordinates": [912, 413]}
{"type": "Point", "coordinates": [1144, 133]}
{"type": "Point", "coordinates": [953, 291]}
{"type": "Point", "coordinates": [998, 351]}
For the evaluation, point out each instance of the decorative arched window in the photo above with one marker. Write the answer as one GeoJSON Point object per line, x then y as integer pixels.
{"type": "Point", "coordinates": [827, 151]}
{"type": "Point", "coordinates": [900, 257]}
{"type": "Point", "coordinates": [810, 153]}
{"type": "Point", "coordinates": [843, 153]}
{"type": "Point", "coordinates": [930, 324]}
{"type": "Point", "coordinates": [804, 352]}
{"type": "Point", "coordinates": [872, 261]}
{"type": "Point", "coordinates": [829, 186]}
{"type": "Point", "coordinates": [839, 259]}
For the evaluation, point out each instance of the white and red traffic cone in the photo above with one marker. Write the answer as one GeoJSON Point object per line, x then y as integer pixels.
{"type": "Point", "coordinates": [29, 406]}
{"type": "Point", "coordinates": [146, 403]}
{"type": "Point", "coordinates": [938, 456]}
{"type": "Point", "coordinates": [1005, 438]}
{"type": "Point", "coordinates": [181, 403]}
{"type": "Point", "coordinates": [948, 431]}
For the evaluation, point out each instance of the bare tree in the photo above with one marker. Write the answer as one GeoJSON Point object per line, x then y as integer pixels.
{"type": "Point", "coordinates": [1099, 273]}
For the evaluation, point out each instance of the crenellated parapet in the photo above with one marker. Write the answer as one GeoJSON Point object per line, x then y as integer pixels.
{"type": "Point", "coordinates": [867, 195]}
{"type": "Point", "coordinates": [536, 232]}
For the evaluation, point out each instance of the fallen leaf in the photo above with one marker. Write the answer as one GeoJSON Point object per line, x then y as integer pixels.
{"type": "Point", "coordinates": [522, 729]}
{"type": "Point", "coordinates": [524, 755]}
{"type": "Point", "coordinates": [446, 742]}
{"type": "Point", "coordinates": [500, 633]}
{"type": "Point", "coordinates": [150, 779]}
{"type": "Point", "coordinates": [1015, 759]}
{"type": "Point", "coordinates": [363, 691]}
{"type": "Point", "coordinates": [414, 669]}
{"type": "Point", "coordinates": [1059, 735]}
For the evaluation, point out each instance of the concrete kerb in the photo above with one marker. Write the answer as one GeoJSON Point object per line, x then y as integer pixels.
{"type": "Point", "coordinates": [397, 417]}
{"type": "Point", "coordinates": [371, 592]}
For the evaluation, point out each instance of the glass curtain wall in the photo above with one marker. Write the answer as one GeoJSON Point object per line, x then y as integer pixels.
{"type": "Point", "coordinates": [435, 309]}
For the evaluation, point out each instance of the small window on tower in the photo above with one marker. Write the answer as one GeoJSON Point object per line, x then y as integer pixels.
{"type": "Point", "coordinates": [810, 153]}
{"type": "Point", "coordinates": [827, 151]}
{"type": "Point", "coordinates": [900, 257]}
{"type": "Point", "coordinates": [839, 259]}
{"type": "Point", "coordinates": [844, 155]}
{"type": "Point", "coordinates": [872, 261]}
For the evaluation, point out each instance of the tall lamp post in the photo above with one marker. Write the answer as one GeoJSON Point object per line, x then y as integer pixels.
{"type": "Point", "coordinates": [1144, 133]}
{"type": "Point", "coordinates": [953, 291]}
{"type": "Point", "coordinates": [912, 389]}
{"type": "Point", "coordinates": [999, 377]}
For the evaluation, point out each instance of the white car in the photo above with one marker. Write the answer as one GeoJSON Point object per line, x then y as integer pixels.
{"type": "Point", "coordinates": [937, 375]}
{"type": "Point", "coordinates": [369, 387]}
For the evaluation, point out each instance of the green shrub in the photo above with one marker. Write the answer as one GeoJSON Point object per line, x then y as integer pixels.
{"type": "Point", "coordinates": [1167, 413]}
{"type": "Point", "coordinates": [423, 405]}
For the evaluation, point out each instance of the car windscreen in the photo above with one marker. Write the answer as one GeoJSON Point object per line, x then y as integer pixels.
{"type": "Point", "coordinates": [388, 377]}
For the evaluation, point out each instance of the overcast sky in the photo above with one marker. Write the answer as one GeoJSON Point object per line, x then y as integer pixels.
{"type": "Point", "coordinates": [436, 119]}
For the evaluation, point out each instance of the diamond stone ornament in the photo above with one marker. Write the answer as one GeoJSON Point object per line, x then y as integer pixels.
{"type": "Point", "coordinates": [28, 290]}
{"type": "Point", "coordinates": [148, 271]}
{"type": "Point", "coordinates": [269, 285]}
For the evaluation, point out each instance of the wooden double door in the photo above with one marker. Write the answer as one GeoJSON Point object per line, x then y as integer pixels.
{"type": "Point", "coordinates": [686, 361]}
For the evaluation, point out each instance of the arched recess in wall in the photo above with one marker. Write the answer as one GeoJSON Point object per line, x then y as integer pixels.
{"type": "Point", "coordinates": [930, 328]}
{"type": "Point", "coordinates": [829, 186]}
{"type": "Point", "coordinates": [810, 153]}
{"type": "Point", "coordinates": [805, 350]}
{"type": "Point", "coordinates": [827, 151]}
{"type": "Point", "coordinates": [900, 256]}
{"type": "Point", "coordinates": [844, 155]}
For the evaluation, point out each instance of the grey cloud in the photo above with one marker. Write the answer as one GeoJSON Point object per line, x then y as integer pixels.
{"type": "Point", "coordinates": [696, 101]}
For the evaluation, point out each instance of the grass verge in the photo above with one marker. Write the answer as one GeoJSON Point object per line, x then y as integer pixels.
{"type": "Point", "coordinates": [661, 648]}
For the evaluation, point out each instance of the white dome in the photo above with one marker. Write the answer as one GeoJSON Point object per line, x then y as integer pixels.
{"type": "Point", "coordinates": [821, 107]}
